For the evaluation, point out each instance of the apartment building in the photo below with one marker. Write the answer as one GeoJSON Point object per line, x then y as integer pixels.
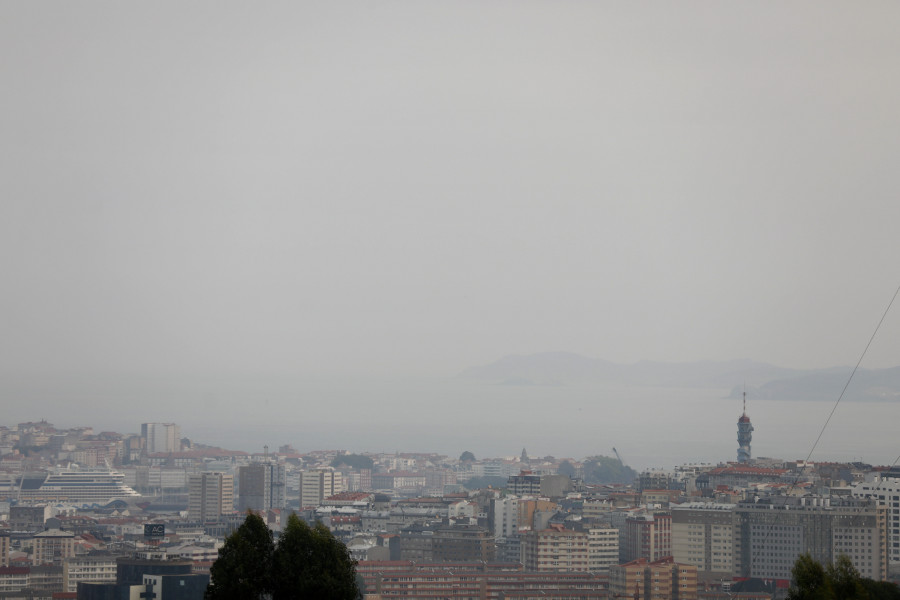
{"type": "Point", "coordinates": [87, 568]}
{"type": "Point", "coordinates": [210, 495]}
{"type": "Point", "coordinates": [703, 536]}
{"type": "Point", "coordinates": [476, 581]}
{"type": "Point", "coordinates": [653, 580]}
{"type": "Point", "coordinates": [648, 536]}
{"type": "Point", "coordinates": [261, 486]}
{"type": "Point", "coordinates": [504, 516]}
{"type": "Point", "coordinates": [161, 437]}
{"type": "Point", "coordinates": [884, 488]}
{"type": "Point", "coordinates": [318, 484]}
{"type": "Point", "coordinates": [4, 548]}
{"type": "Point", "coordinates": [772, 532]}
{"type": "Point", "coordinates": [556, 550]}
{"type": "Point", "coordinates": [52, 546]}
{"type": "Point", "coordinates": [603, 548]}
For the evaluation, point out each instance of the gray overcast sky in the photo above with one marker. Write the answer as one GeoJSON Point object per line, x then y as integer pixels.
{"type": "Point", "coordinates": [410, 188]}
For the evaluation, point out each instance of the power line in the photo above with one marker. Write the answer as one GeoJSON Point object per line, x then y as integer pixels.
{"type": "Point", "coordinates": [825, 425]}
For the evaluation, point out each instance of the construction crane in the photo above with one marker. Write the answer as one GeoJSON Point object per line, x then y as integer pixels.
{"type": "Point", "coordinates": [619, 456]}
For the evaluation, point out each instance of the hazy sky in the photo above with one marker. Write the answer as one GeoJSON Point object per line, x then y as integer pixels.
{"type": "Point", "coordinates": [411, 188]}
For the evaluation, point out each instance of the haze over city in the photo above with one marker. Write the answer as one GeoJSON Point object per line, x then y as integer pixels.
{"type": "Point", "coordinates": [305, 220]}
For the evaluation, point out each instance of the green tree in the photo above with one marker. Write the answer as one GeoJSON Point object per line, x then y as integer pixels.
{"type": "Point", "coordinates": [881, 590]}
{"type": "Point", "coordinates": [603, 469]}
{"type": "Point", "coordinates": [845, 579]}
{"type": "Point", "coordinates": [243, 568]}
{"type": "Point", "coordinates": [838, 581]}
{"type": "Point", "coordinates": [355, 461]}
{"type": "Point", "coordinates": [466, 457]}
{"type": "Point", "coordinates": [809, 580]}
{"type": "Point", "coordinates": [566, 468]}
{"type": "Point", "coordinates": [309, 562]}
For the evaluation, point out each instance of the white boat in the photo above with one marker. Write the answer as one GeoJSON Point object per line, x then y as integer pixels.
{"type": "Point", "coordinates": [80, 487]}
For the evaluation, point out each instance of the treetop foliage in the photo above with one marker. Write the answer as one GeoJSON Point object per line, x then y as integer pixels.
{"type": "Point", "coordinates": [603, 469]}
{"type": "Point", "coordinates": [306, 562]}
{"type": "Point", "coordinates": [244, 566]}
{"type": "Point", "coordinates": [566, 468]}
{"type": "Point", "coordinates": [838, 581]}
{"type": "Point", "coordinates": [355, 461]}
{"type": "Point", "coordinates": [466, 457]}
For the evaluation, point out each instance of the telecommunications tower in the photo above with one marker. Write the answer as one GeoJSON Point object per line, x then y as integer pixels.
{"type": "Point", "coordinates": [745, 434]}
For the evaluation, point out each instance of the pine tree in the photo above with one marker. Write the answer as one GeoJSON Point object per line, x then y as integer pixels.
{"type": "Point", "coordinates": [310, 563]}
{"type": "Point", "coordinates": [243, 569]}
{"type": "Point", "coordinates": [306, 562]}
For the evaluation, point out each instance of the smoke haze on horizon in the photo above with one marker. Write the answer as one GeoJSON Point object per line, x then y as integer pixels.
{"type": "Point", "coordinates": [401, 189]}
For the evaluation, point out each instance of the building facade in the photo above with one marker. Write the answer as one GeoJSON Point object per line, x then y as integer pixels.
{"type": "Point", "coordinates": [884, 489]}
{"type": "Point", "coordinates": [4, 548]}
{"type": "Point", "coordinates": [773, 532]}
{"type": "Point", "coordinates": [556, 550]}
{"type": "Point", "coordinates": [52, 546]}
{"type": "Point", "coordinates": [261, 486]}
{"type": "Point", "coordinates": [210, 495]}
{"type": "Point", "coordinates": [648, 536]}
{"type": "Point", "coordinates": [87, 568]}
{"type": "Point", "coordinates": [653, 580]}
{"type": "Point", "coordinates": [318, 484]}
{"type": "Point", "coordinates": [161, 437]}
{"type": "Point", "coordinates": [703, 536]}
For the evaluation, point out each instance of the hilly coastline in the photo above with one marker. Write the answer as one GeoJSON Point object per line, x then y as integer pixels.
{"type": "Point", "coordinates": [761, 380]}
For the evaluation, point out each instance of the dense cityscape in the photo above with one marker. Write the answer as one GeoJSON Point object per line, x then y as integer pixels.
{"type": "Point", "coordinates": [89, 514]}
{"type": "Point", "coordinates": [466, 300]}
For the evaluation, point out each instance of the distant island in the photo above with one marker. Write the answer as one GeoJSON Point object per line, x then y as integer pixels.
{"type": "Point", "coordinates": [761, 380]}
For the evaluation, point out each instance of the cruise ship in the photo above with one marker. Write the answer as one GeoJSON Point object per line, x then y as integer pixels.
{"type": "Point", "coordinates": [80, 487]}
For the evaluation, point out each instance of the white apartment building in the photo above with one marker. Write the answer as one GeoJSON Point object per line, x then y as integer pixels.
{"type": "Point", "coordinates": [210, 495]}
{"type": "Point", "coordinates": [773, 532]}
{"type": "Point", "coordinates": [161, 437]}
{"type": "Point", "coordinates": [506, 516]}
{"type": "Point", "coordinates": [703, 536]}
{"type": "Point", "coordinates": [87, 569]}
{"type": "Point", "coordinates": [555, 550]}
{"type": "Point", "coordinates": [603, 548]}
{"type": "Point", "coordinates": [885, 490]}
{"type": "Point", "coordinates": [318, 484]}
